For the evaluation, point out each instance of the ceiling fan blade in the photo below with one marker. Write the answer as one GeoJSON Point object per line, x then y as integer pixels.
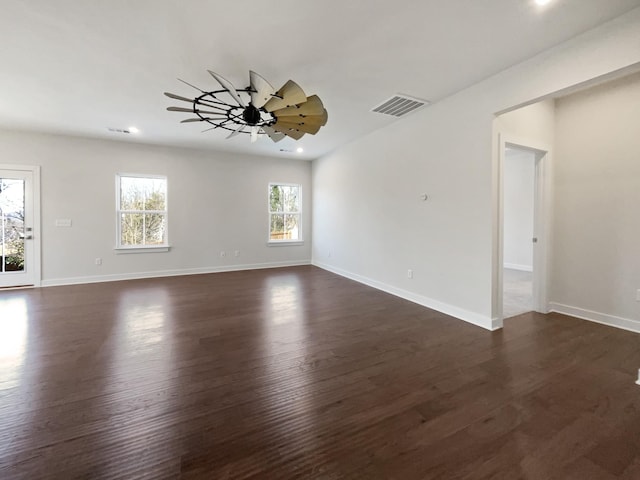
{"type": "Point", "coordinates": [228, 86]}
{"type": "Point", "coordinates": [290, 94]}
{"type": "Point", "coordinates": [313, 106]}
{"type": "Point", "coordinates": [178, 97]}
{"type": "Point", "coordinates": [180, 109]}
{"type": "Point", "coordinates": [273, 135]}
{"type": "Point", "coordinates": [192, 86]}
{"type": "Point", "coordinates": [191, 110]}
{"type": "Point", "coordinates": [316, 119]}
{"type": "Point", "coordinates": [295, 134]}
{"type": "Point", "coordinates": [312, 129]}
{"type": "Point", "coordinates": [237, 131]}
{"type": "Point", "coordinates": [262, 90]}
{"type": "Point", "coordinates": [189, 120]}
{"type": "Point", "coordinates": [319, 120]}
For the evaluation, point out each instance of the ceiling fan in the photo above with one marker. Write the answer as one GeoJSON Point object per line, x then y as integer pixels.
{"type": "Point", "coordinates": [257, 110]}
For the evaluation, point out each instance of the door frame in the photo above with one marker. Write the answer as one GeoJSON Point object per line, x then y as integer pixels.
{"type": "Point", "coordinates": [37, 256]}
{"type": "Point", "coordinates": [541, 225]}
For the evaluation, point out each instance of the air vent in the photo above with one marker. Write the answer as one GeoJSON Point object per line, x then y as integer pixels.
{"type": "Point", "coordinates": [399, 105]}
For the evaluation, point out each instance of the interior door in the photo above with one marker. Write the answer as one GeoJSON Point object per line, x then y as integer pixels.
{"type": "Point", "coordinates": [17, 259]}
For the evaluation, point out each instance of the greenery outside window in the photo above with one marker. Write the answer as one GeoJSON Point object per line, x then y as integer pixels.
{"type": "Point", "coordinates": [285, 212]}
{"type": "Point", "coordinates": [141, 207]}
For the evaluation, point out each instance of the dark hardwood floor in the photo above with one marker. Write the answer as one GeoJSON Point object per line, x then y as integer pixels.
{"type": "Point", "coordinates": [298, 373]}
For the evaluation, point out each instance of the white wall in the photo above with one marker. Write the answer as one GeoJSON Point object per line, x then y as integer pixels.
{"type": "Point", "coordinates": [530, 125]}
{"type": "Point", "coordinates": [367, 210]}
{"type": "Point", "coordinates": [217, 201]}
{"type": "Point", "coordinates": [519, 178]}
{"type": "Point", "coordinates": [596, 268]}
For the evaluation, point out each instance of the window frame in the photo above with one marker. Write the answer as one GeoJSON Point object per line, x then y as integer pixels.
{"type": "Point", "coordinates": [283, 242]}
{"type": "Point", "coordinates": [119, 248]}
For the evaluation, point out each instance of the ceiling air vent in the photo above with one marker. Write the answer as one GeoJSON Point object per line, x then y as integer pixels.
{"type": "Point", "coordinates": [399, 105]}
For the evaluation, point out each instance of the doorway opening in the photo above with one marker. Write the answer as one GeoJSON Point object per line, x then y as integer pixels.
{"type": "Point", "coordinates": [522, 228]}
{"type": "Point", "coordinates": [519, 187]}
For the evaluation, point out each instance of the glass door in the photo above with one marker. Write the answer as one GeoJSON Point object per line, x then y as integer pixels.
{"type": "Point", "coordinates": [16, 228]}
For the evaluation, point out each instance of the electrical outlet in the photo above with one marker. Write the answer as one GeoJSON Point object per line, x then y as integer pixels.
{"type": "Point", "coordinates": [409, 273]}
{"type": "Point", "coordinates": [98, 261]}
{"type": "Point", "coordinates": [236, 253]}
{"type": "Point", "coordinates": [223, 254]}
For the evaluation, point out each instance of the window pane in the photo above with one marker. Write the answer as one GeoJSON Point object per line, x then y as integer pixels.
{"type": "Point", "coordinates": [154, 229]}
{"type": "Point", "coordinates": [131, 194]}
{"type": "Point", "coordinates": [155, 193]}
{"type": "Point", "coordinates": [132, 227]}
{"type": "Point", "coordinates": [11, 225]}
{"type": "Point", "coordinates": [138, 193]}
{"type": "Point", "coordinates": [291, 200]}
{"type": "Point", "coordinates": [291, 227]}
{"type": "Point", "coordinates": [276, 198]}
{"type": "Point", "coordinates": [277, 227]}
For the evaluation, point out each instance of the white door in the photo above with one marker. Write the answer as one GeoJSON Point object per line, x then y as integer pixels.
{"type": "Point", "coordinates": [17, 251]}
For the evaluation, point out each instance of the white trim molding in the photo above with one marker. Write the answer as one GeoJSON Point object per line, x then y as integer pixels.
{"type": "Point", "coordinates": [142, 249]}
{"type": "Point", "coordinates": [597, 317]}
{"type": "Point", "coordinates": [522, 268]}
{"type": "Point", "coordinates": [54, 282]}
{"type": "Point", "coordinates": [459, 313]}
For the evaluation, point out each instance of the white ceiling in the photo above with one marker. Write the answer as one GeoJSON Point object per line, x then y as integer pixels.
{"type": "Point", "coordinates": [79, 67]}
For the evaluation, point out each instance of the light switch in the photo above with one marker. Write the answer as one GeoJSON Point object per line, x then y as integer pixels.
{"type": "Point", "coordinates": [63, 222]}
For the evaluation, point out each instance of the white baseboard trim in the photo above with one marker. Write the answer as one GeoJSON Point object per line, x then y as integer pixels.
{"type": "Point", "coordinates": [459, 313]}
{"type": "Point", "coordinates": [167, 273]}
{"type": "Point", "coordinates": [522, 268]}
{"type": "Point", "coordinates": [496, 324]}
{"type": "Point", "coordinates": [603, 318]}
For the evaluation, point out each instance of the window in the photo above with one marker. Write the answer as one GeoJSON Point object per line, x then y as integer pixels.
{"type": "Point", "coordinates": [141, 203]}
{"type": "Point", "coordinates": [284, 213]}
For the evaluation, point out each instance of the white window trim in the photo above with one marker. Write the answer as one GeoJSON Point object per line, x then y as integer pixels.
{"type": "Point", "coordinates": [141, 248]}
{"type": "Point", "coordinates": [284, 242]}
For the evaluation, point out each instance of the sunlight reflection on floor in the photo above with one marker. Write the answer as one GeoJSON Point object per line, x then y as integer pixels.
{"type": "Point", "coordinates": [13, 339]}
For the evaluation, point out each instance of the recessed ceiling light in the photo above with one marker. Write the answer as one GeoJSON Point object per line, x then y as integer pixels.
{"type": "Point", "coordinates": [133, 130]}
{"type": "Point", "coordinates": [542, 2]}
{"type": "Point", "coordinates": [299, 149]}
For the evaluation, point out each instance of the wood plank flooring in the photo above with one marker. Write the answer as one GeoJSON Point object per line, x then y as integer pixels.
{"type": "Point", "coordinates": [298, 373]}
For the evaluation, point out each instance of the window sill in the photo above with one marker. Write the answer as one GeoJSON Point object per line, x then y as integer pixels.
{"type": "Point", "coordinates": [158, 249]}
{"type": "Point", "coordinates": [285, 243]}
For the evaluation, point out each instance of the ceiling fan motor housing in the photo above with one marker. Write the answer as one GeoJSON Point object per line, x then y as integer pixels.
{"type": "Point", "coordinates": [251, 115]}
